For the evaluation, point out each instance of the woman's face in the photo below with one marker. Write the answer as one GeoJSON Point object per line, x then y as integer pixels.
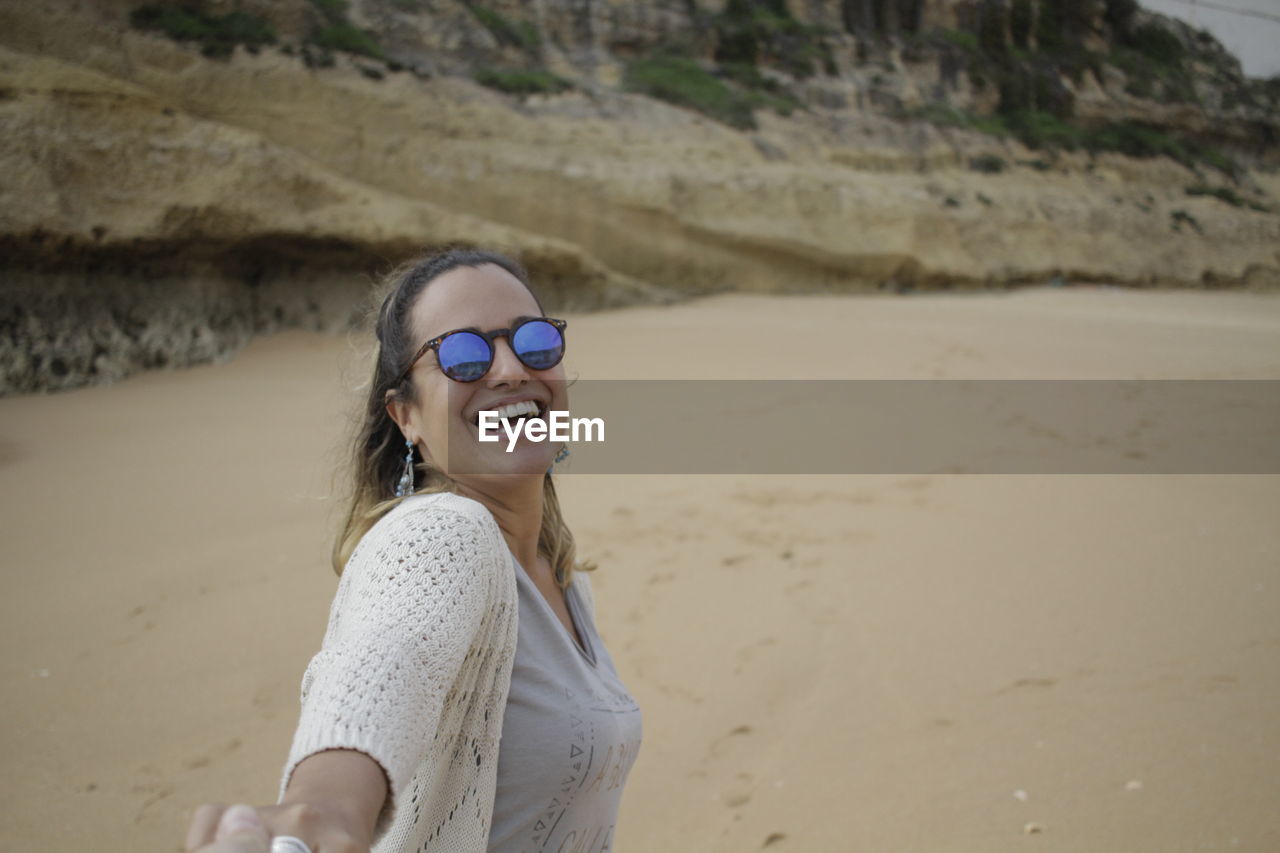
{"type": "Point", "coordinates": [443, 418]}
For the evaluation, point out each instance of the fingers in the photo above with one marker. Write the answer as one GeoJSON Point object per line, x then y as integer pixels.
{"type": "Point", "coordinates": [238, 829]}
{"type": "Point", "coordinates": [241, 830]}
{"type": "Point", "coordinates": [204, 825]}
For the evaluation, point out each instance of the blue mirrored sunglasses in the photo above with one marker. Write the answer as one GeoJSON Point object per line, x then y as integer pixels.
{"type": "Point", "coordinates": [466, 355]}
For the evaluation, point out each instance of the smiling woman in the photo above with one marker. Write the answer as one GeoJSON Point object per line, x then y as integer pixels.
{"type": "Point", "coordinates": [461, 680]}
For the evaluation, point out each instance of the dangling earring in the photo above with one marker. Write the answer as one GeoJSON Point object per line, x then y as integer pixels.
{"type": "Point", "coordinates": [405, 486]}
{"type": "Point", "coordinates": [561, 455]}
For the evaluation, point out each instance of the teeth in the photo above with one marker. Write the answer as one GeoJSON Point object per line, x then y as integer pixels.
{"type": "Point", "coordinates": [512, 410]}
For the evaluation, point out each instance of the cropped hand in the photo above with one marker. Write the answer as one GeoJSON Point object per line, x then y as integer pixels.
{"type": "Point", "coordinates": [238, 829]}
{"type": "Point", "coordinates": [332, 804]}
{"type": "Point", "coordinates": [244, 829]}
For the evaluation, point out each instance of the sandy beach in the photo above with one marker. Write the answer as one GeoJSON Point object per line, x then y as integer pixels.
{"type": "Point", "coordinates": [864, 663]}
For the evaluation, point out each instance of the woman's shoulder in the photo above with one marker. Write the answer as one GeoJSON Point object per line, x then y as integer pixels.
{"type": "Point", "coordinates": [440, 521]}
{"type": "Point", "coordinates": [438, 504]}
{"type": "Point", "coordinates": [438, 510]}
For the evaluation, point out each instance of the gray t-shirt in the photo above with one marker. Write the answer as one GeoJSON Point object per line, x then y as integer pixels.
{"type": "Point", "coordinates": [570, 735]}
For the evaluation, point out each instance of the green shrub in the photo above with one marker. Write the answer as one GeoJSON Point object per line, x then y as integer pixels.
{"type": "Point", "coordinates": [1216, 159]}
{"type": "Point", "coordinates": [761, 90]}
{"type": "Point", "coordinates": [316, 57]}
{"type": "Point", "coordinates": [515, 82]}
{"type": "Point", "coordinates": [962, 39]}
{"type": "Point", "coordinates": [1157, 44]}
{"type": "Point", "coordinates": [1043, 130]}
{"type": "Point", "coordinates": [218, 35]}
{"type": "Point", "coordinates": [1146, 78]}
{"type": "Point", "coordinates": [752, 32]}
{"type": "Point", "coordinates": [1227, 195]}
{"type": "Point", "coordinates": [747, 76]}
{"type": "Point", "coordinates": [1180, 217]}
{"type": "Point", "coordinates": [510, 33]}
{"type": "Point", "coordinates": [339, 33]}
{"type": "Point", "coordinates": [348, 39]}
{"type": "Point", "coordinates": [783, 104]}
{"type": "Point", "coordinates": [1154, 61]}
{"type": "Point", "coordinates": [1136, 140]}
{"type": "Point", "coordinates": [1040, 130]}
{"type": "Point", "coordinates": [1119, 15]}
{"type": "Point", "coordinates": [685, 83]}
{"type": "Point", "coordinates": [988, 164]}
{"type": "Point", "coordinates": [334, 11]}
{"type": "Point", "coordinates": [993, 125]}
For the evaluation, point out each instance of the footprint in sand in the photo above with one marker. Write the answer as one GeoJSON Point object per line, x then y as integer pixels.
{"type": "Point", "coordinates": [679, 693]}
{"type": "Point", "coordinates": [739, 792]}
{"type": "Point", "coordinates": [721, 745]}
{"type": "Point", "coordinates": [1027, 682]}
{"type": "Point", "coordinates": [914, 484]}
{"type": "Point", "coordinates": [747, 653]}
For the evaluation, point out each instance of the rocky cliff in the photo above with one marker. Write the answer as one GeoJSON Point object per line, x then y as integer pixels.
{"type": "Point", "coordinates": [181, 176]}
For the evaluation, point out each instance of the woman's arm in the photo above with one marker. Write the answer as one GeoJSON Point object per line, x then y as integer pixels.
{"type": "Point", "coordinates": [332, 803]}
{"type": "Point", "coordinates": [344, 787]}
{"type": "Point", "coordinates": [404, 619]}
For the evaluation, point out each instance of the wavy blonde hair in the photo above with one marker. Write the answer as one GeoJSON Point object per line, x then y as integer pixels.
{"type": "Point", "coordinates": [377, 454]}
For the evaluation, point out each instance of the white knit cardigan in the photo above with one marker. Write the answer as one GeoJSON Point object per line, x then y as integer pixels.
{"type": "Point", "coordinates": [415, 668]}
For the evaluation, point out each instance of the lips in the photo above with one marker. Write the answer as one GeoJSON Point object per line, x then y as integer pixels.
{"type": "Point", "coordinates": [512, 408]}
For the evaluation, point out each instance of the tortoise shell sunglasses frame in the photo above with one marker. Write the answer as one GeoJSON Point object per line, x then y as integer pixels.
{"type": "Point", "coordinates": [450, 370]}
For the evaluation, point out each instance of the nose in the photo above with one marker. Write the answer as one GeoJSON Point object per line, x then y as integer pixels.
{"type": "Point", "coordinates": [506, 367]}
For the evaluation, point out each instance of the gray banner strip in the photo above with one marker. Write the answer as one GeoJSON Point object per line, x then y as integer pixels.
{"type": "Point", "coordinates": [928, 427]}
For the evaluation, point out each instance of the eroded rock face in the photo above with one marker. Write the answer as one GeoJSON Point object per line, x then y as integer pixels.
{"type": "Point", "coordinates": [70, 316]}
{"type": "Point", "coordinates": [160, 207]}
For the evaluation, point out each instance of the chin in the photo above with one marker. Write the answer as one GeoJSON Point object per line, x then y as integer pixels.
{"type": "Point", "coordinates": [528, 459]}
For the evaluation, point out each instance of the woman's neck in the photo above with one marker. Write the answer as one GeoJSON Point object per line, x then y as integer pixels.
{"type": "Point", "coordinates": [516, 504]}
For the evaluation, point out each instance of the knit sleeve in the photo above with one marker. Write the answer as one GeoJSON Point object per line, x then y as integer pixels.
{"type": "Point", "coordinates": [406, 612]}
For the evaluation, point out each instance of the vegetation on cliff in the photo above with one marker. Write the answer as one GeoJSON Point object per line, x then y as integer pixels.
{"type": "Point", "coordinates": [217, 35]}
{"type": "Point", "coordinates": [513, 33]}
{"type": "Point", "coordinates": [751, 43]}
{"type": "Point", "coordinates": [1036, 54]}
{"type": "Point", "coordinates": [521, 82]}
{"type": "Point", "coordinates": [1026, 62]}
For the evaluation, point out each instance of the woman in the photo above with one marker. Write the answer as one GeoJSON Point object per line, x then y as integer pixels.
{"type": "Point", "coordinates": [461, 699]}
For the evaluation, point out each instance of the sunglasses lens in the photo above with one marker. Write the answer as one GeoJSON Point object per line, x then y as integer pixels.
{"type": "Point", "coordinates": [464, 357]}
{"type": "Point", "coordinates": [538, 344]}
